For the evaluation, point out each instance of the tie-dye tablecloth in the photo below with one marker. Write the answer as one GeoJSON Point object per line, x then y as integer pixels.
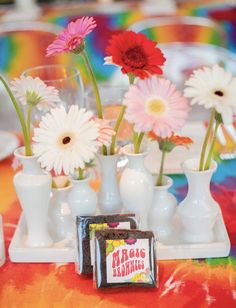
{"type": "Point", "coordinates": [182, 283]}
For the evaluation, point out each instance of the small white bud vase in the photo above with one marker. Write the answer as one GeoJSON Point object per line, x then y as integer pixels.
{"type": "Point", "coordinates": [33, 187]}
{"type": "Point", "coordinates": [2, 247]}
{"type": "Point", "coordinates": [162, 210]}
{"type": "Point", "coordinates": [60, 214]}
{"type": "Point", "coordinates": [136, 186]}
{"type": "Point", "coordinates": [109, 201]}
{"type": "Point", "coordinates": [82, 198]}
{"type": "Point", "coordinates": [198, 212]}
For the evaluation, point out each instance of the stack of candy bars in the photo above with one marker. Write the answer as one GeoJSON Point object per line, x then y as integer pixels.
{"type": "Point", "coordinates": [118, 255]}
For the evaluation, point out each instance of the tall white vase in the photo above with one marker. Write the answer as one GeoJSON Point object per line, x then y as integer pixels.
{"type": "Point", "coordinates": [198, 211]}
{"type": "Point", "coordinates": [109, 201]}
{"type": "Point", "coordinates": [162, 210]}
{"type": "Point", "coordinates": [82, 198]}
{"type": "Point", "coordinates": [33, 186]}
{"type": "Point", "coordinates": [136, 186]}
{"type": "Point", "coordinates": [60, 214]}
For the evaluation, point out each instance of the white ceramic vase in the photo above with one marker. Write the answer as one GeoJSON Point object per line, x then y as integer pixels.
{"type": "Point", "coordinates": [162, 210]}
{"type": "Point", "coordinates": [82, 198]}
{"type": "Point", "coordinates": [33, 186]}
{"type": "Point", "coordinates": [2, 247]}
{"type": "Point", "coordinates": [109, 201]}
{"type": "Point", "coordinates": [136, 186]}
{"type": "Point", "coordinates": [60, 214]}
{"type": "Point", "coordinates": [198, 212]}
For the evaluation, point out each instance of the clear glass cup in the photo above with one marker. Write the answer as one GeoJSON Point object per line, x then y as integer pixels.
{"type": "Point", "coordinates": [66, 79]}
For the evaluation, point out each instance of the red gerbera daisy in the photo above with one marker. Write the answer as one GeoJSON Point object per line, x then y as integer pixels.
{"type": "Point", "coordinates": [136, 54]}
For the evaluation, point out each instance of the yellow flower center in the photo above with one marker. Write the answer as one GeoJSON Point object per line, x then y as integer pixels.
{"type": "Point", "coordinates": [66, 140]}
{"type": "Point", "coordinates": [155, 106]}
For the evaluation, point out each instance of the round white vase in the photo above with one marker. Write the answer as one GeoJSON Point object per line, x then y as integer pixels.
{"type": "Point", "coordinates": [109, 201]}
{"type": "Point", "coordinates": [136, 186]}
{"type": "Point", "coordinates": [60, 214]}
{"type": "Point", "coordinates": [198, 211]}
{"type": "Point", "coordinates": [162, 210]}
{"type": "Point", "coordinates": [82, 198]}
{"type": "Point", "coordinates": [33, 187]}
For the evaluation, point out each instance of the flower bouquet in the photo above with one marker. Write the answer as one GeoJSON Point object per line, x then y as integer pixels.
{"type": "Point", "coordinates": [67, 140]}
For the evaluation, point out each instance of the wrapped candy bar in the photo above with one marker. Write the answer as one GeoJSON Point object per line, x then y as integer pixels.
{"type": "Point", "coordinates": [124, 258]}
{"type": "Point", "coordinates": [85, 229]}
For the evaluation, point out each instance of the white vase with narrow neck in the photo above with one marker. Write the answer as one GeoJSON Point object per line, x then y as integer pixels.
{"type": "Point", "coordinates": [33, 186]}
{"type": "Point", "coordinates": [109, 201]}
{"type": "Point", "coordinates": [162, 210]}
{"type": "Point", "coordinates": [60, 214]}
{"type": "Point", "coordinates": [198, 212]}
{"type": "Point", "coordinates": [136, 186]}
{"type": "Point", "coordinates": [82, 198]}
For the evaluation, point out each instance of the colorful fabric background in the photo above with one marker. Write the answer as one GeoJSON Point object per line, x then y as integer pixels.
{"type": "Point", "coordinates": [21, 50]}
{"type": "Point", "coordinates": [183, 283]}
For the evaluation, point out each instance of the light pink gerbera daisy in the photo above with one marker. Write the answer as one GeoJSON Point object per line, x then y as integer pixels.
{"type": "Point", "coordinates": [154, 104]}
{"type": "Point", "coordinates": [72, 37]}
{"type": "Point", "coordinates": [105, 132]}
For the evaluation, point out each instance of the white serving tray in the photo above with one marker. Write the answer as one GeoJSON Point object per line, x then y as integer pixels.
{"type": "Point", "coordinates": [60, 252]}
{"type": "Point", "coordinates": [174, 248]}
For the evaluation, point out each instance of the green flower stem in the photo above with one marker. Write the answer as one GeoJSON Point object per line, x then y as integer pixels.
{"type": "Point", "coordinates": [116, 128]}
{"type": "Point", "coordinates": [28, 151]}
{"type": "Point", "coordinates": [160, 176]}
{"type": "Point", "coordinates": [131, 78]}
{"type": "Point", "coordinates": [140, 138]}
{"type": "Point", "coordinates": [94, 84]}
{"type": "Point", "coordinates": [137, 140]}
{"type": "Point", "coordinates": [204, 146]}
{"type": "Point", "coordinates": [209, 157]}
{"type": "Point", "coordinates": [95, 89]}
{"type": "Point", "coordinates": [81, 174]}
{"type": "Point", "coordinates": [119, 119]}
{"type": "Point", "coordinates": [30, 107]}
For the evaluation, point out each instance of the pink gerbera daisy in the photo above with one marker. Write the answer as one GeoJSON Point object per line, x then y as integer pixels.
{"type": "Point", "coordinates": [154, 104]}
{"type": "Point", "coordinates": [105, 132]}
{"type": "Point", "coordinates": [72, 38]}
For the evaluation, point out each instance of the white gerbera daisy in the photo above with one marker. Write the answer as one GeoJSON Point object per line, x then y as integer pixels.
{"type": "Point", "coordinates": [65, 141]}
{"type": "Point", "coordinates": [213, 88]}
{"type": "Point", "coordinates": [34, 91]}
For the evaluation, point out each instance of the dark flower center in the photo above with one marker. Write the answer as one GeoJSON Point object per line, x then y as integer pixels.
{"type": "Point", "coordinates": [66, 140]}
{"type": "Point", "coordinates": [74, 42]}
{"type": "Point", "coordinates": [135, 57]}
{"type": "Point", "coordinates": [219, 93]}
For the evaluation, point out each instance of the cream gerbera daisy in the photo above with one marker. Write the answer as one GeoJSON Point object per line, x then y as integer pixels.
{"type": "Point", "coordinates": [213, 87]}
{"type": "Point", "coordinates": [154, 104]}
{"type": "Point", "coordinates": [65, 141]}
{"type": "Point", "coordinates": [34, 92]}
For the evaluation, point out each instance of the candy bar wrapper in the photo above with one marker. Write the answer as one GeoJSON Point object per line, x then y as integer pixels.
{"type": "Point", "coordinates": [124, 258]}
{"type": "Point", "coordinates": [85, 231]}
